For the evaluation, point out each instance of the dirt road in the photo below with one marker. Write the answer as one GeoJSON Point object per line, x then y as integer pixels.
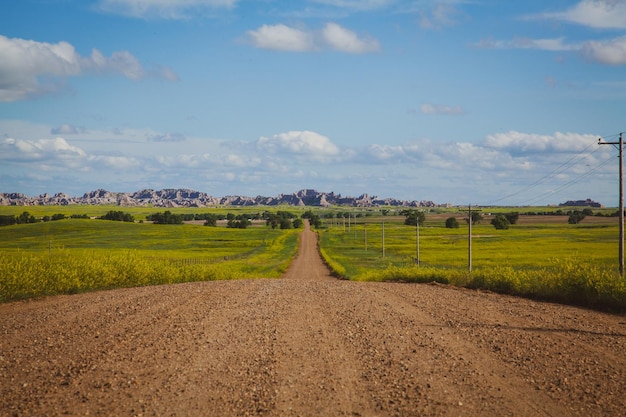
{"type": "Point", "coordinates": [308, 345]}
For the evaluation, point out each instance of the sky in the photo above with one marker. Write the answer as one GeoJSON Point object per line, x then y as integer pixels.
{"type": "Point", "coordinates": [482, 102]}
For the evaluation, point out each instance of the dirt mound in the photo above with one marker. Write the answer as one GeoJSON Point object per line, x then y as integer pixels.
{"type": "Point", "coordinates": [308, 345]}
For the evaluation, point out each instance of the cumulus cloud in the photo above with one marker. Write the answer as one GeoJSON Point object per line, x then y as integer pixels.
{"type": "Point", "coordinates": [428, 108]}
{"type": "Point", "coordinates": [307, 144]}
{"type": "Point", "coordinates": [67, 129]}
{"type": "Point", "coordinates": [548, 44]}
{"type": "Point", "coordinates": [281, 37]}
{"type": "Point", "coordinates": [386, 154]}
{"type": "Point", "coordinates": [166, 137]}
{"type": "Point", "coordinates": [165, 9]}
{"type": "Point", "coordinates": [49, 151]}
{"type": "Point", "coordinates": [344, 40]}
{"type": "Point", "coordinates": [518, 142]}
{"type": "Point", "coordinates": [116, 162]}
{"type": "Point", "coordinates": [611, 52]}
{"type": "Point", "coordinates": [599, 14]}
{"type": "Point", "coordinates": [23, 64]}
{"type": "Point", "coordinates": [440, 16]}
{"type": "Point", "coordinates": [331, 36]}
{"type": "Point", "coordinates": [357, 4]}
{"type": "Point", "coordinates": [608, 52]}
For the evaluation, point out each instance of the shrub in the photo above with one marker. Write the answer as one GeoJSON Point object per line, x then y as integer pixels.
{"type": "Point", "coordinates": [500, 222]}
{"type": "Point", "coordinates": [118, 216]}
{"type": "Point", "coordinates": [452, 223]}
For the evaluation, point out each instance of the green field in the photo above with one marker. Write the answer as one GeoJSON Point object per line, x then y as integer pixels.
{"type": "Point", "coordinates": [75, 255]}
{"type": "Point", "coordinates": [541, 256]}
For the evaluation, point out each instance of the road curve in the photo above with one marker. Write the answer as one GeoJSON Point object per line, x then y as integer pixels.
{"type": "Point", "coordinates": [308, 345]}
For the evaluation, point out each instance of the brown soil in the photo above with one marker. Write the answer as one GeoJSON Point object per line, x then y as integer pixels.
{"type": "Point", "coordinates": [308, 345]}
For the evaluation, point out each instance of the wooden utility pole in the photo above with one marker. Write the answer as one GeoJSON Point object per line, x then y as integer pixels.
{"type": "Point", "coordinates": [365, 235]}
{"type": "Point", "coordinates": [620, 145]}
{"type": "Point", "coordinates": [469, 236]}
{"type": "Point", "coordinates": [417, 242]}
{"type": "Point", "coordinates": [383, 239]}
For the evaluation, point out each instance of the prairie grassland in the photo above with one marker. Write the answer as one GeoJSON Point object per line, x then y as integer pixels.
{"type": "Point", "coordinates": [69, 256]}
{"type": "Point", "coordinates": [139, 213]}
{"type": "Point", "coordinates": [539, 257]}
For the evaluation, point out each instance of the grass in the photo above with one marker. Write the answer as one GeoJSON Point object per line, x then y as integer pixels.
{"type": "Point", "coordinates": [76, 255]}
{"type": "Point", "coordinates": [543, 258]}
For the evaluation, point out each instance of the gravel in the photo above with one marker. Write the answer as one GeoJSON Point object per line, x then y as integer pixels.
{"type": "Point", "coordinates": [308, 345]}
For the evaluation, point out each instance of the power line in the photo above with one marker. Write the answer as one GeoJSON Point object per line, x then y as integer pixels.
{"type": "Point", "coordinates": [572, 161]}
{"type": "Point", "coordinates": [572, 182]}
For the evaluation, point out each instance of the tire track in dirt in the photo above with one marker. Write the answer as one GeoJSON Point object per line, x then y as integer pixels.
{"type": "Point", "coordinates": [308, 345]}
{"type": "Point", "coordinates": [317, 370]}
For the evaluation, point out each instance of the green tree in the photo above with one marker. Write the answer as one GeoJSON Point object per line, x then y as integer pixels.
{"type": "Point", "coordinates": [500, 222]}
{"type": "Point", "coordinates": [118, 216]}
{"type": "Point", "coordinates": [452, 223]}
{"type": "Point", "coordinates": [576, 217]}
{"type": "Point", "coordinates": [7, 220]}
{"type": "Point", "coordinates": [476, 218]}
{"type": "Point", "coordinates": [413, 217]}
{"type": "Point", "coordinates": [512, 217]}
{"type": "Point", "coordinates": [238, 224]}
{"type": "Point", "coordinates": [167, 217]}
{"type": "Point", "coordinates": [210, 220]}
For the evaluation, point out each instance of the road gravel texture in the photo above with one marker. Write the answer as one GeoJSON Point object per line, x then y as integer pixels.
{"type": "Point", "coordinates": [308, 345]}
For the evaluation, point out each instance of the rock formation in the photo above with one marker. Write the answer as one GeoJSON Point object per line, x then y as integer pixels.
{"type": "Point", "coordinates": [191, 198]}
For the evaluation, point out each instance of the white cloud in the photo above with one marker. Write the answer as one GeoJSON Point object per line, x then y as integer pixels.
{"type": "Point", "coordinates": [165, 9]}
{"type": "Point", "coordinates": [440, 16]}
{"type": "Point", "coordinates": [344, 40]}
{"type": "Point", "coordinates": [518, 142]}
{"type": "Point", "coordinates": [285, 38]}
{"type": "Point", "coordinates": [357, 5]}
{"type": "Point", "coordinates": [116, 162]}
{"type": "Point", "coordinates": [51, 151]}
{"type": "Point", "coordinates": [293, 160]}
{"type": "Point", "coordinates": [67, 129]}
{"type": "Point", "coordinates": [427, 108]}
{"type": "Point", "coordinates": [23, 63]}
{"type": "Point", "coordinates": [599, 14]}
{"type": "Point", "coordinates": [166, 137]}
{"type": "Point", "coordinates": [608, 52]}
{"type": "Point", "coordinates": [553, 44]}
{"type": "Point", "coordinates": [612, 52]}
{"type": "Point", "coordinates": [306, 144]}
{"type": "Point", "coordinates": [282, 38]}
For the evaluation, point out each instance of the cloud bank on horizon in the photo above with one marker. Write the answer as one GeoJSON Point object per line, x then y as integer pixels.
{"type": "Point", "coordinates": [443, 100]}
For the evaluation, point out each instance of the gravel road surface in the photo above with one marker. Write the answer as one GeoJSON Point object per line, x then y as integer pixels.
{"type": "Point", "coordinates": [308, 345]}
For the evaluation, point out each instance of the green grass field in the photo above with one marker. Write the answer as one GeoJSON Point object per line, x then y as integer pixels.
{"type": "Point", "coordinates": [541, 256]}
{"type": "Point", "coordinates": [75, 255]}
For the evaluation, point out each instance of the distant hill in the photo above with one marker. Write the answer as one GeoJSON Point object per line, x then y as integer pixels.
{"type": "Point", "coordinates": [191, 198]}
{"type": "Point", "coordinates": [581, 203]}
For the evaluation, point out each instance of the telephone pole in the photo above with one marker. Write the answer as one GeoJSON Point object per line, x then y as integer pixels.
{"type": "Point", "coordinates": [469, 235]}
{"type": "Point", "coordinates": [620, 145]}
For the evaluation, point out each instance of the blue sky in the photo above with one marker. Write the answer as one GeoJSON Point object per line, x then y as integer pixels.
{"type": "Point", "coordinates": [453, 101]}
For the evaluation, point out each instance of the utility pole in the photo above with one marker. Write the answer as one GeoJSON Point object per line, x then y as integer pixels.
{"type": "Point", "coordinates": [469, 236]}
{"type": "Point", "coordinates": [620, 145]}
{"type": "Point", "coordinates": [365, 235]}
{"type": "Point", "coordinates": [417, 242]}
{"type": "Point", "coordinates": [383, 239]}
